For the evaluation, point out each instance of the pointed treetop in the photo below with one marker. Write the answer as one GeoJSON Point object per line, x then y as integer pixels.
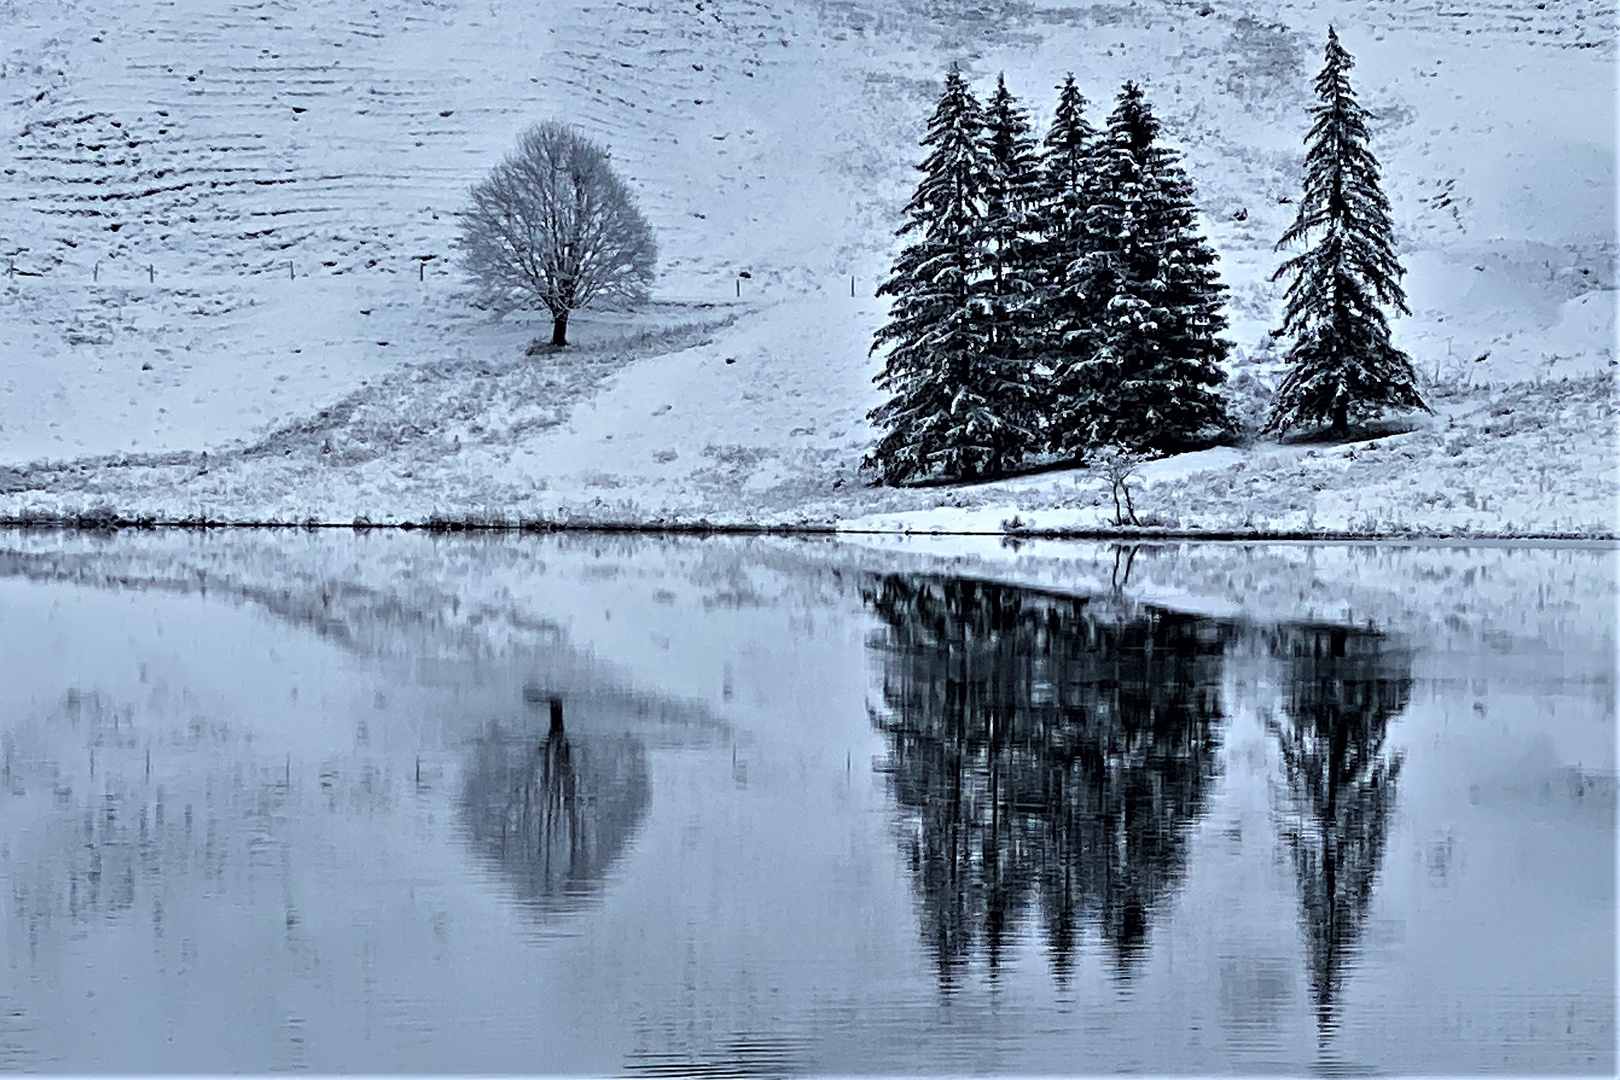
{"type": "Point", "coordinates": [1068, 147]}
{"type": "Point", "coordinates": [1003, 100]}
{"type": "Point", "coordinates": [1070, 100]}
{"type": "Point", "coordinates": [1007, 124]}
{"type": "Point", "coordinates": [1334, 79]}
{"type": "Point", "coordinates": [1069, 134]}
{"type": "Point", "coordinates": [955, 127]}
{"type": "Point", "coordinates": [1133, 119]}
{"type": "Point", "coordinates": [956, 93]}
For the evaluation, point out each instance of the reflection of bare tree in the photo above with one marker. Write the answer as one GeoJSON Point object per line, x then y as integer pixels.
{"type": "Point", "coordinates": [1042, 753]}
{"type": "Point", "coordinates": [554, 813]}
{"type": "Point", "coordinates": [1344, 687]}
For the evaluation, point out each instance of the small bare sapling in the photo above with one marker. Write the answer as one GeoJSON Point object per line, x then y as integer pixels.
{"type": "Point", "coordinates": [1118, 467]}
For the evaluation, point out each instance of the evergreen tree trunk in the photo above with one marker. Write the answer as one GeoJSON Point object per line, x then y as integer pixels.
{"type": "Point", "coordinates": [559, 329]}
{"type": "Point", "coordinates": [1341, 417]}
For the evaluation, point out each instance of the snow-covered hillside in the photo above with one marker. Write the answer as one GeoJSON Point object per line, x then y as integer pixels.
{"type": "Point", "coordinates": [227, 227]}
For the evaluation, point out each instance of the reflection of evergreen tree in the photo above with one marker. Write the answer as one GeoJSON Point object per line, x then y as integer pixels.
{"type": "Point", "coordinates": [554, 814]}
{"type": "Point", "coordinates": [1344, 687]}
{"type": "Point", "coordinates": [1043, 754]}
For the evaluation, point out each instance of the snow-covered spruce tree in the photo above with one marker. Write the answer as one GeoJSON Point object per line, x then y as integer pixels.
{"type": "Point", "coordinates": [1147, 381]}
{"type": "Point", "coordinates": [1342, 364]}
{"type": "Point", "coordinates": [1012, 281]}
{"type": "Point", "coordinates": [1066, 313]}
{"type": "Point", "coordinates": [956, 406]}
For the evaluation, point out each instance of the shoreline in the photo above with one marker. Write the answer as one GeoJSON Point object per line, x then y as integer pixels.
{"type": "Point", "coordinates": [97, 523]}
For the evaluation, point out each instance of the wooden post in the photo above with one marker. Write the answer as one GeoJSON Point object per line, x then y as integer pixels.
{"type": "Point", "coordinates": [151, 273]}
{"type": "Point", "coordinates": [291, 274]}
{"type": "Point", "coordinates": [852, 285]}
{"type": "Point", "coordinates": [421, 269]}
{"type": "Point", "coordinates": [95, 271]}
{"type": "Point", "coordinates": [739, 288]}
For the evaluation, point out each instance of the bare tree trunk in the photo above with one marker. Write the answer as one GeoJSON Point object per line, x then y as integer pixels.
{"type": "Point", "coordinates": [559, 329]}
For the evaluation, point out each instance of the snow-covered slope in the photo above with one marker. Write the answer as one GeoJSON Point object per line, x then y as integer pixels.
{"type": "Point", "coordinates": [221, 217]}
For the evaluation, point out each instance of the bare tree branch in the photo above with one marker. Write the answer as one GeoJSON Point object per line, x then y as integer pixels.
{"type": "Point", "coordinates": [1118, 467]}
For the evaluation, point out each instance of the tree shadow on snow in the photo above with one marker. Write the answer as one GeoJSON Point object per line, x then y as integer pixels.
{"type": "Point", "coordinates": [1370, 430]}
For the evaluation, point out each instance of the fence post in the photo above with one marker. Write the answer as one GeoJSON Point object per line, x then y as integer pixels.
{"type": "Point", "coordinates": [151, 273]}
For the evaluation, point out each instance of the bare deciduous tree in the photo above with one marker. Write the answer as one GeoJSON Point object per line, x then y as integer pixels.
{"type": "Point", "coordinates": [1118, 467]}
{"type": "Point", "coordinates": [554, 226]}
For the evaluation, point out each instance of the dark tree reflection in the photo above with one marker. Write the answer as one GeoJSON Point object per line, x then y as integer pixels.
{"type": "Point", "coordinates": [1344, 687]}
{"type": "Point", "coordinates": [552, 811]}
{"type": "Point", "coordinates": [1049, 758]}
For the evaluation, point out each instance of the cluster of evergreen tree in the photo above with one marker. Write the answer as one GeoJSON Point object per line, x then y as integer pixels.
{"type": "Point", "coordinates": [1051, 759]}
{"type": "Point", "coordinates": [1057, 298]}
{"type": "Point", "coordinates": [1053, 299]}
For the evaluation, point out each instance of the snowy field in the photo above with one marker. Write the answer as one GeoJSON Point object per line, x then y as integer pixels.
{"type": "Point", "coordinates": [227, 229]}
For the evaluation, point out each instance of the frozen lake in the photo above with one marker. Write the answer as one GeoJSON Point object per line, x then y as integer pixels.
{"type": "Point", "coordinates": [596, 805]}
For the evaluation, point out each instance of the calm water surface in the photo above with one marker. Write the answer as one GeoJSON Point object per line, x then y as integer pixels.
{"type": "Point", "coordinates": [766, 808]}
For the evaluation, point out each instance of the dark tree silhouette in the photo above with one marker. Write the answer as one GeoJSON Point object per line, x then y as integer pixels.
{"type": "Point", "coordinates": [1344, 687]}
{"type": "Point", "coordinates": [956, 407]}
{"type": "Point", "coordinates": [1342, 363]}
{"type": "Point", "coordinates": [1042, 753]}
{"type": "Point", "coordinates": [1145, 372]}
{"type": "Point", "coordinates": [1067, 311]}
{"type": "Point", "coordinates": [1013, 273]}
{"type": "Point", "coordinates": [553, 813]}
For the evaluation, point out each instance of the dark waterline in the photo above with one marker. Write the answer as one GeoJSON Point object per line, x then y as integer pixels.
{"type": "Point", "coordinates": [727, 807]}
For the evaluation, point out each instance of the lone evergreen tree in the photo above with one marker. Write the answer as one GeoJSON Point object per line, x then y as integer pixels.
{"type": "Point", "coordinates": [1012, 274]}
{"type": "Point", "coordinates": [1146, 379]}
{"type": "Point", "coordinates": [1342, 362]}
{"type": "Point", "coordinates": [1066, 311]}
{"type": "Point", "coordinates": [956, 406]}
